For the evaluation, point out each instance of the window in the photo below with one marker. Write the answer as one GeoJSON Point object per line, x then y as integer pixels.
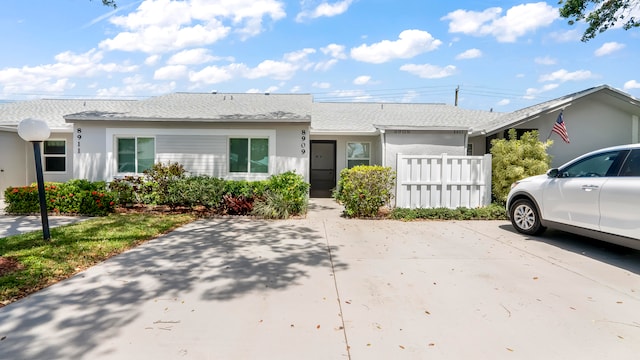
{"type": "Point", "coordinates": [358, 154]}
{"type": "Point", "coordinates": [135, 154]}
{"type": "Point", "coordinates": [249, 155]}
{"type": "Point", "coordinates": [632, 166]}
{"type": "Point", "coordinates": [469, 149]}
{"type": "Point", "coordinates": [55, 155]}
{"type": "Point", "coordinates": [598, 165]}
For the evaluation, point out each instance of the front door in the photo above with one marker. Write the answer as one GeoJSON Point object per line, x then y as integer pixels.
{"type": "Point", "coordinates": [323, 168]}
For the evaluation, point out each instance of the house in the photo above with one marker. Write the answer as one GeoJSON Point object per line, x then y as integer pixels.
{"type": "Point", "coordinates": [595, 118]}
{"type": "Point", "coordinates": [252, 136]}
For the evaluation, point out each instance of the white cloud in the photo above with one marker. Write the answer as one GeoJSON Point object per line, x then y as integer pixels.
{"type": "Point", "coordinates": [517, 21]}
{"type": "Point", "coordinates": [300, 56]}
{"type": "Point", "coordinates": [152, 60]}
{"type": "Point", "coordinates": [531, 93]}
{"type": "Point", "coordinates": [409, 44]}
{"type": "Point", "coordinates": [573, 35]}
{"type": "Point", "coordinates": [469, 54]}
{"type": "Point", "coordinates": [545, 60]}
{"type": "Point", "coordinates": [170, 72]}
{"type": "Point", "coordinates": [503, 102]}
{"type": "Point", "coordinates": [325, 65]}
{"type": "Point", "coordinates": [135, 85]}
{"type": "Point", "coordinates": [325, 10]}
{"type": "Point", "coordinates": [165, 25]}
{"type": "Point", "coordinates": [563, 75]}
{"type": "Point", "coordinates": [362, 80]}
{"type": "Point", "coordinates": [216, 74]}
{"type": "Point", "coordinates": [631, 84]}
{"type": "Point", "coordinates": [409, 96]}
{"type": "Point", "coordinates": [428, 71]}
{"type": "Point", "coordinates": [55, 77]}
{"type": "Point", "coordinates": [335, 51]}
{"type": "Point", "coordinates": [191, 57]}
{"type": "Point", "coordinates": [608, 48]}
{"type": "Point", "coordinates": [279, 70]}
{"type": "Point", "coordinates": [321, 85]}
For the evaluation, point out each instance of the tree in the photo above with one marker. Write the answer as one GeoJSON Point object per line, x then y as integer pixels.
{"type": "Point", "coordinates": [111, 3]}
{"type": "Point", "coordinates": [605, 14]}
{"type": "Point", "coordinates": [515, 159]}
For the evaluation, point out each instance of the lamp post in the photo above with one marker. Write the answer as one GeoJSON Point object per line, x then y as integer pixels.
{"type": "Point", "coordinates": [36, 131]}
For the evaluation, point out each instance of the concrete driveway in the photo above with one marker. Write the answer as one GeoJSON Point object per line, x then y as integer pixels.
{"type": "Point", "coordinates": [325, 287]}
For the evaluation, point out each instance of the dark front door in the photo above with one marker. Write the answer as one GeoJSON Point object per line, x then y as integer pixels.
{"type": "Point", "coordinates": [323, 167]}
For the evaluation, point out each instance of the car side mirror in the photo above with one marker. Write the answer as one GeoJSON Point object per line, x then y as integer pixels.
{"type": "Point", "coordinates": [553, 173]}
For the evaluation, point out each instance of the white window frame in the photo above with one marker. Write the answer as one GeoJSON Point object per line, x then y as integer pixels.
{"type": "Point", "coordinates": [45, 156]}
{"type": "Point", "coordinates": [135, 138]}
{"type": "Point", "coordinates": [358, 159]}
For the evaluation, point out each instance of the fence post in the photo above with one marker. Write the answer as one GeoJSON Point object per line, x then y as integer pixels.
{"type": "Point", "coordinates": [486, 174]}
{"type": "Point", "coordinates": [444, 183]}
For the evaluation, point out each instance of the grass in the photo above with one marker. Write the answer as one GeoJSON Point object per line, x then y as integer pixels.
{"type": "Point", "coordinates": [74, 248]}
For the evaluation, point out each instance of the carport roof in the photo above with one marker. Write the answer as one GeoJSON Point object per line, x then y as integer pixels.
{"type": "Point", "coordinates": [53, 110]}
{"type": "Point", "coordinates": [367, 117]}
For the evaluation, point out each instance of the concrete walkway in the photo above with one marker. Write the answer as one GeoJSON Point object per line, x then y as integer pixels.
{"type": "Point", "coordinates": [325, 287]}
{"type": "Point", "coordinates": [12, 225]}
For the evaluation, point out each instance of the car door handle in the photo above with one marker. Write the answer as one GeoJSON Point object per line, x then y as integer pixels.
{"type": "Point", "coordinates": [590, 187]}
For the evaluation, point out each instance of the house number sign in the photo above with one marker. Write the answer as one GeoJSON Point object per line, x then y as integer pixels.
{"type": "Point", "coordinates": [79, 137]}
{"type": "Point", "coordinates": [303, 144]}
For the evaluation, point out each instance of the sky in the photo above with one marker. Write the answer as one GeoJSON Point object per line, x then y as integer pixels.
{"type": "Point", "coordinates": [498, 55]}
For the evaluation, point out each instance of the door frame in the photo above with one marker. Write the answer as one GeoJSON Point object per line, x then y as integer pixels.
{"type": "Point", "coordinates": [335, 165]}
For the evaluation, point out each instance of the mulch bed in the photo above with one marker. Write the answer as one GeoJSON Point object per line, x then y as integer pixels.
{"type": "Point", "coordinates": [8, 265]}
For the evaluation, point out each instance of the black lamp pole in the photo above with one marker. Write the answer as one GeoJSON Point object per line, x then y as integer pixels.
{"type": "Point", "coordinates": [41, 194]}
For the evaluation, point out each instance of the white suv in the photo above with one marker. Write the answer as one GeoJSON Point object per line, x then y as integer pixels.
{"type": "Point", "coordinates": [595, 195]}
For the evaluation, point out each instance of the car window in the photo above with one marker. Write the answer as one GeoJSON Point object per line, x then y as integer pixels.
{"type": "Point", "coordinates": [597, 165]}
{"type": "Point", "coordinates": [632, 166]}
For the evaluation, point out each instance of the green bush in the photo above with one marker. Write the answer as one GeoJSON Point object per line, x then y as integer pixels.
{"type": "Point", "coordinates": [286, 194]}
{"type": "Point", "coordinates": [80, 197]}
{"type": "Point", "coordinates": [157, 179]}
{"type": "Point", "coordinates": [364, 189]}
{"type": "Point", "coordinates": [515, 159]}
{"type": "Point", "coordinates": [490, 212]}
{"type": "Point", "coordinates": [196, 190]}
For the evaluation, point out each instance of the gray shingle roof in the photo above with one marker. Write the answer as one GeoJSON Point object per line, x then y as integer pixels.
{"type": "Point", "coordinates": [526, 114]}
{"type": "Point", "coordinates": [366, 117]}
{"type": "Point", "coordinates": [212, 107]}
{"type": "Point", "coordinates": [53, 110]}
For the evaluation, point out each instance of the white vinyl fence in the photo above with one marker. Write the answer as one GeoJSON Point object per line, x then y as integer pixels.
{"type": "Point", "coordinates": [443, 181]}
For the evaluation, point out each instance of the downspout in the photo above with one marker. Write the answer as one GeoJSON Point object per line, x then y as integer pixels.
{"type": "Point", "coordinates": [383, 141]}
{"type": "Point", "coordinates": [634, 129]}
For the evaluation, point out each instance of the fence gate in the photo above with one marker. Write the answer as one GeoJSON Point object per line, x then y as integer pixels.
{"type": "Point", "coordinates": [425, 181]}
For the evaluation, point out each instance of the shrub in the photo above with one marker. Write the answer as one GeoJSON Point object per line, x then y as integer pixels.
{"type": "Point", "coordinates": [196, 190]}
{"type": "Point", "coordinates": [292, 192]}
{"type": "Point", "coordinates": [80, 197]}
{"type": "Point", "coordinates": [286, 194]}
{"type": "Point", "coordinates": [157, 180]}
{"type": "Point", "coordinates": [490, 212]}
{"type": "Point", "coordinates": [127, 190]}
{"type": "Point", "coordinates": [515, 159]}
{"type": "Point", "coordinates": [364, 189]}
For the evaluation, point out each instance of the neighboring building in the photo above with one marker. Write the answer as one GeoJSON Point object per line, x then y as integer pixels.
{"type": "Point", "coordinates": [252, 136]}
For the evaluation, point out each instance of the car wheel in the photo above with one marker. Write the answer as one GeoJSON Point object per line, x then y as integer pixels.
{"type": "Point", "coordinates": [525, 217]}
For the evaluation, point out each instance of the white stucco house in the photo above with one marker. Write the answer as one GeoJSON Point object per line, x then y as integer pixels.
{"type": "Point", "coordinates": [252, 136]}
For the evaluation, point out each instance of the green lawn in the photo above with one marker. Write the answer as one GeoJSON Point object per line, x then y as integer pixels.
{"type": "Point", "coordinates": [74, 248]}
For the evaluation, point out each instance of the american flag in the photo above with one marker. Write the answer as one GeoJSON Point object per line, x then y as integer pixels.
{"type": "Point", "coordinates": [560, 129]}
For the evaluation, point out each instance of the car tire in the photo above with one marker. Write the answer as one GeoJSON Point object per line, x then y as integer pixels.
{"type": "Point", "coordinates": [525, 217]}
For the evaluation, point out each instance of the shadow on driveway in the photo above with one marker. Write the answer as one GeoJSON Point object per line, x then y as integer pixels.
{"type": "Point", "coordinates": [616, 255]}
{"type": "Point", "coordinates": [205, 262]}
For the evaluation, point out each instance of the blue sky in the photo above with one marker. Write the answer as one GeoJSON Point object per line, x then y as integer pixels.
{"type": "Point", "coordinates": [503, 55]}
